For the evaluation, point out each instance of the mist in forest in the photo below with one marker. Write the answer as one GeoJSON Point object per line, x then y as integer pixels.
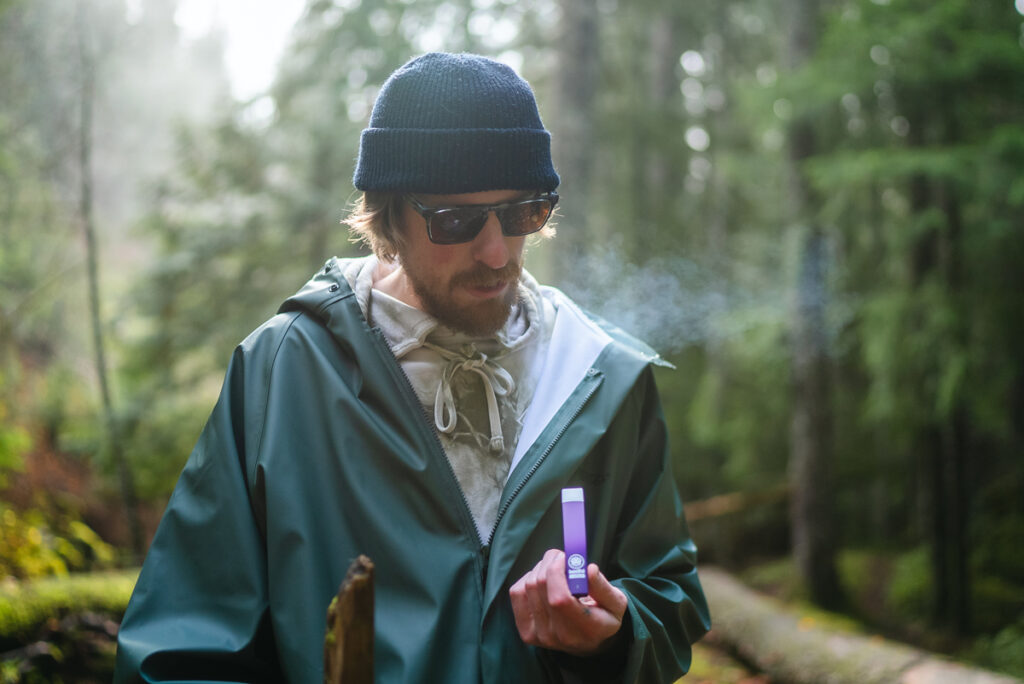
{"type": "Point", "coordinates": [671, 302]}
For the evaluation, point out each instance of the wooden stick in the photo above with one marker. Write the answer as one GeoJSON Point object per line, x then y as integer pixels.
{"type": "Point", "coordinates": [348, 644]}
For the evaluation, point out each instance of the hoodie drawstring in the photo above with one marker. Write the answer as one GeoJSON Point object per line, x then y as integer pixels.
{"type": "Point", "coordinates": [497, 382]}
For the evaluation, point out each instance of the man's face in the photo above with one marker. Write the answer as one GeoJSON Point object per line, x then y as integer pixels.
{"type": "Point", "coordinates": [470, 286]}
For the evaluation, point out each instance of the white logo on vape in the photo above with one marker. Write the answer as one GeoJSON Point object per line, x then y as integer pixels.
{"type": "Point", "coordinates": [576, 561]}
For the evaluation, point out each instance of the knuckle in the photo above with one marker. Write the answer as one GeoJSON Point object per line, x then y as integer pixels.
{"type": "Point", "coordinates": [563, 602]}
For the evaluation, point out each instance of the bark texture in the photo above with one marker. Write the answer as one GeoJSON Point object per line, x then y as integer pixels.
{"type": "Point", "coordinates": [348, 645]}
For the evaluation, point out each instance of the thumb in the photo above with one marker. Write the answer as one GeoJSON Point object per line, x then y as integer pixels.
{"type": "Point", "coordinates": [607, 595]}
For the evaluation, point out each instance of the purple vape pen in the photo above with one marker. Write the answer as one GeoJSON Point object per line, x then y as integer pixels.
{"type": "Point", "coordinates": [574, 533]}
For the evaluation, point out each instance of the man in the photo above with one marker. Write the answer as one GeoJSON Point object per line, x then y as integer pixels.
{"type": "Point", "coordinates": [425, 406]}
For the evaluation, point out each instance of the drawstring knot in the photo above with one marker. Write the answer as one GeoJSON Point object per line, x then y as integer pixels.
{"type": "Point", "coordinates": [497, 382]}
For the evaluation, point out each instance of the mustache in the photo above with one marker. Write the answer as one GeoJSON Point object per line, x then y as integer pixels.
{"type": "Point", "coordinates": [484, 276]}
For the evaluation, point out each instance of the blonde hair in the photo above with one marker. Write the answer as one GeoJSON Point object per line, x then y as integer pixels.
{"type": "Point", "coordinates": [376, 221]}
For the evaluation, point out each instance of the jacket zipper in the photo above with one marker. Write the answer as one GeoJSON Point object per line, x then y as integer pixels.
{"type": "Point", "coordinates": [591, 376]}
{"type": "Point", "coordinates": [425, 425]}
{"type": "Point", "coordinates": [483, 551]}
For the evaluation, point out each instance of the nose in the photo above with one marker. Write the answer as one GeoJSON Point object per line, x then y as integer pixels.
{"type": "Point", "coordinates": [490, 246]}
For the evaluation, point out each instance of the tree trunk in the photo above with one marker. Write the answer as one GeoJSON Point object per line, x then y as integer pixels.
{"type": "Point", "coordinates": [572, 138]}
{"type": "Point", "coordinates": [955, 511]}
{"type": "Point", "coordinates": [811, 516]}
{"type": "Point", "coordinates": [943, 446]}
{"type": "Point", "coordinates": [348, 644]}
{"type": "Point", "coordinates": [87, 65]}
{"type": "Point", "coordinates": [955, 431]}
{"type": "Point", "coordinates": [662, 91]}
{"type": "Point", "coordinates": [718, 224]}
{"type": "Point", "coordinates": [319, 225]}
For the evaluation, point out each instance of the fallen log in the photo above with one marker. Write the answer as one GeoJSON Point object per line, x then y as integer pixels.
{"type": "Point", "coordinates": [348, 644]}
{"type": "Point", "coordinates": [794, 649]}
{"type": "Point", "coordinates": [734, 502]}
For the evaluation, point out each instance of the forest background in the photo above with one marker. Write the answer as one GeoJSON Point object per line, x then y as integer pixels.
{"type": "Point", "coordinates": [813, 208]}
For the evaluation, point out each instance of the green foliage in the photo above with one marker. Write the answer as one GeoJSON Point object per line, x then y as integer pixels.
{"type": "Point", "coordinates": [1000, 530]}
{"type": "Point", "coordinates": [14, 442]}
{"type": "Point", "coordinates": [1003, 651]}
{"type": "Point", "coordinates": [33, 547]}
{"type": "Point", "coordinates": [777, 577]}
{"type": "Point", "coordinates": [24, 606]}
{"type": "Point", "coordinates": [997, 602]}
{"type": "Point", "coordinates": [910, 585]}
{"type": "Point", "coordinates": [139, 65]}
{"type": "Point", "coordinates": [753, 435]}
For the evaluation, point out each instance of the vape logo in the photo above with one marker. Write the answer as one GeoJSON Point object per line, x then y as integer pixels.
{"type": "Point", "coordinates": [575, 562]}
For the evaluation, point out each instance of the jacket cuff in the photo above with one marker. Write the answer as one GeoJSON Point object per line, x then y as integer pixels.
{"type": "Point", "coordinates": [606, 666]}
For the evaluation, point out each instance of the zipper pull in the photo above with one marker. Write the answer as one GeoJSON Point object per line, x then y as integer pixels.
{"type": "Point", "coordinates": [485, 556]}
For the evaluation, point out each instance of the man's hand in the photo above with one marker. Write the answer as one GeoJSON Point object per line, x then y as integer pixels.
{"type": "Point", "coordinates": [547, 615]}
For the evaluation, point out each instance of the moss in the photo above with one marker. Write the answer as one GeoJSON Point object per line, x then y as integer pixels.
{"type": "Point", "coordinates": [813, 617]}
{"type": "Point", "coordinates": [36, 543]}
{"type": "Point", "coordinates": [24, 606]}
{"type": "Point", "coordinates": [778, 578]}
{"type": "Point", "coordinates": [712, 665]}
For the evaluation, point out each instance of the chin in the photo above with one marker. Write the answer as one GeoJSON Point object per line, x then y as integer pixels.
{"type": "Point", "coordinates": [478, 318]}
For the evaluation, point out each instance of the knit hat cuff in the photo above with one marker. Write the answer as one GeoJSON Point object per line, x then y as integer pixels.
{"type": "Point", "coordinates": [454, 161]}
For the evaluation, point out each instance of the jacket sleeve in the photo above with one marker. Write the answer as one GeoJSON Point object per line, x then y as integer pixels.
{"type": "Point", "coordinates": [658, 558]}
{"type": "Point", "coordinates": [200, 609]}
{"type": "Point", "coordinates": [653, 563]}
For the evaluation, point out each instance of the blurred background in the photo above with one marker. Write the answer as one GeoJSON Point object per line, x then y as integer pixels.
{"type": "Point", "coordinates": [814, 209]}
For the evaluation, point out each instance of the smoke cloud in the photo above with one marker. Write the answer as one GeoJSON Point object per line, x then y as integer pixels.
{"type": "Point", "coordinates": [675, 302]}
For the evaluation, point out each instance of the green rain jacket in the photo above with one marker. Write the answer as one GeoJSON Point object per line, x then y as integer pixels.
{"type": "Point", "coordinates": [318, 450]}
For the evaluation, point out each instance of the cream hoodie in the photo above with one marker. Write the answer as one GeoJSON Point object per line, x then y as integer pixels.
{"type": "Point", "coordinates": [475, 390]}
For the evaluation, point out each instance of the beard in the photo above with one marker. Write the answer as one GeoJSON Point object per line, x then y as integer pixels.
{"type": "Point", "coordinates": [475, 318]}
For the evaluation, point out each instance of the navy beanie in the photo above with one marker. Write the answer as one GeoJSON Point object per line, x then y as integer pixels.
{"type": "Point", "coordinates": [448, 124]}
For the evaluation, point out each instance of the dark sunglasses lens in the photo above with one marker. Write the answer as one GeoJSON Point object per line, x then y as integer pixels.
{"type": "Point", "coordinates": [462, 224]}
{"type": "Point", "coordinates": [525, 217]}
{"type": "Point", "coordinates": [452, 226]}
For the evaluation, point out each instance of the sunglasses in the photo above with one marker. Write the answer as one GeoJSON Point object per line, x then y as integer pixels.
{"type": "Point", "coordinates": [453, 225]}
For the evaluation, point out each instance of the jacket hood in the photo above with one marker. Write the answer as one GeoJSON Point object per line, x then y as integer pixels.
{"type": "Point", "coordinates": [337, 278]}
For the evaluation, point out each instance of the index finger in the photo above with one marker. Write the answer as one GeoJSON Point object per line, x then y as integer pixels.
{"type": "Point", "coordinates": [558, 586]}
